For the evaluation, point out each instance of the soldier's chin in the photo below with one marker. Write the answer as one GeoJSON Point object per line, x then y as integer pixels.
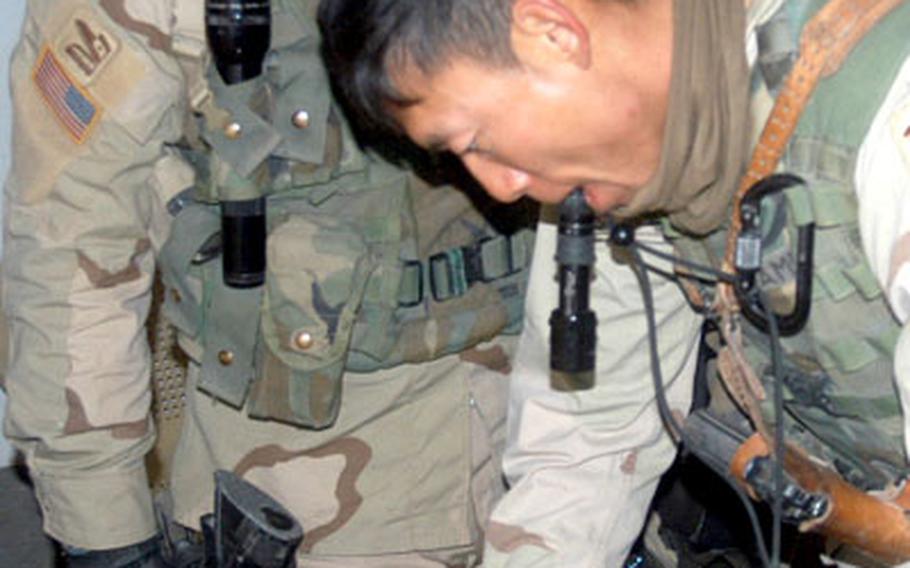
{"type": "Point", "coordinates": [604, 198]}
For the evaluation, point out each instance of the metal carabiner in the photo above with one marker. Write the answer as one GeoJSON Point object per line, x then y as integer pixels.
{"type": "Point", "coordinates": [749, 253]}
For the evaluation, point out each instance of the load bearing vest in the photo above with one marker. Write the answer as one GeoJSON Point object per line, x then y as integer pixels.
{"type": "Point", "coordinates": [368, 266]}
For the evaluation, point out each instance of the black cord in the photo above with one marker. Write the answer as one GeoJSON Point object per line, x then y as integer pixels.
{"type": "Point", "coordinates": [717, 275]}
{"type": "Point", "coordinates": [777, 374]}
{"type": "Point", "coordinates": [656, 373]}
{"type": "Point", "coordinates": [676, 430]}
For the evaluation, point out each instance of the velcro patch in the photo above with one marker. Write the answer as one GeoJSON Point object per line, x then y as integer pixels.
{"type": "Point", "coordinates": [85, 46]}
{"type": "Point", "coordinates": [73, 106]}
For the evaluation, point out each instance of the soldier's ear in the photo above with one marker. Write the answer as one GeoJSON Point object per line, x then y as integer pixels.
{"type": "Point", "coordinates": [546, 32]}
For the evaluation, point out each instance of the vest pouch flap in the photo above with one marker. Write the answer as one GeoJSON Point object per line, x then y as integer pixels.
{"type": "Point", "coordinates": [229, 338]}
{"type": "Point", "coordinates": [192, 227]}
{"type": "Point", "coordinates": [205, 310]}
{"type": "Point", "coordinates": [302, 105]}
{"type": "Point", "coordinates": [246, 139]}
{"type": "Point", "coordinates": [318, 270]}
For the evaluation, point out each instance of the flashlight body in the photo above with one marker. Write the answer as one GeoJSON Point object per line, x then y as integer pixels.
{"type": "Point", "coordinates": [239, 33]}
{"type": "Point", "coordinates": [573, 325]}
{"type": "Point", "coordinates": [243, 240]}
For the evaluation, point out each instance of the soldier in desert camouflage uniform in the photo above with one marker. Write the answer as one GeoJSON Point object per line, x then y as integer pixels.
{"type": "Point", "coordinates": [649, 107]}
{"type": "Point", "coordinates": [122, 130]}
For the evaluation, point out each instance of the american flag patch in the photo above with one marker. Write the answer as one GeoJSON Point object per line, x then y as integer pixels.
{"type": "Point", "coordinates": [71, 104]}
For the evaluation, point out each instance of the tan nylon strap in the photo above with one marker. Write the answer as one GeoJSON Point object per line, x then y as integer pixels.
{"type": "Point", "coordinates": [825, 43]}
{"type": "Point", "coordinates": [169, 369]}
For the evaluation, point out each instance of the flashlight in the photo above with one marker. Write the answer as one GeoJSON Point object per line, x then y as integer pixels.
{"type": "Point", "coordinates": [239, 35]}
{"type": "Point", "coordinates": [573, 325]}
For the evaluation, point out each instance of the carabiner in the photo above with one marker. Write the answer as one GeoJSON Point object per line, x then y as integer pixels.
{"type": "Point", "coordinates": [749, 253]}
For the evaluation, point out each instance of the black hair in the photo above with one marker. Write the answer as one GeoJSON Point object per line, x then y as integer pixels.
{"type": "Point", "coordinates": [366, 41]}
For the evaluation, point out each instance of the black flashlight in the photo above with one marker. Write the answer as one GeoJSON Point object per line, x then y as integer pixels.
{"type": "Point", "coordinates": [239, 34]}
{"type": "Point", "coordinates": [573, 325]}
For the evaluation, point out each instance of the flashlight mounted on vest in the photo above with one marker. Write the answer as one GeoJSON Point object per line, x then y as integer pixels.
{"type": "Point", "coordinates": [239, 36]}
{"type": "Point", "coordinates": [573, 325]}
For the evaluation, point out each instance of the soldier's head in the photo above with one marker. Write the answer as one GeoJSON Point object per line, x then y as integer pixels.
{"type": "Point", "coordinates": [535, 96]}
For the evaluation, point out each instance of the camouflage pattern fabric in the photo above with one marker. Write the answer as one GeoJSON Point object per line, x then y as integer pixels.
{"type": "Point", "coordinates": [102, 93]}
{"type": "Point", "coordinates": [583, 466]}
{"type": "Point", "coordinates": [839, 373]}
{"type": "Point", "coordinates": [168, 380]}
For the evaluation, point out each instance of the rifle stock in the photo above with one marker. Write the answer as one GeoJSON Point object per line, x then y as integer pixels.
{"type": "Point", "coordinates": [878, 526]}
{"type": "Point", "coordinates": [248, 529]}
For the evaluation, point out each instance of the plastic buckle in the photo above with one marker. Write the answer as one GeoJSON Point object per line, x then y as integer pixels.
{"type": "Point", "coordinates": [409, 267]}
{"type": "Point", "coordinates": [452, 264]}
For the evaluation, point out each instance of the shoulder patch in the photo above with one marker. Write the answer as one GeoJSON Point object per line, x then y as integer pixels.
{"type": "Point", "coordinates": [85, 46]}
{"type": "Point", "coordinates": [71, 104]}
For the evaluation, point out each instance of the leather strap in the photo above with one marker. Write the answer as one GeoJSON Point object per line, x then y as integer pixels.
{"type": "Point", "coordinates": [826, 42]}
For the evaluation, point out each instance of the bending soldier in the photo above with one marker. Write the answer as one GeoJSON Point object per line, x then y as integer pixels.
{"type": "Point", "coordinates": [648, 106]}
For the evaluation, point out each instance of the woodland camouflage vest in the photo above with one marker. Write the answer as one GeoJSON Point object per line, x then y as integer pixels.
{"type": "Point", "coordinates": [368, 266]}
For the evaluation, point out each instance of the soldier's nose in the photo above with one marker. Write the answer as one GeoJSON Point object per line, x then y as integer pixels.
{"type": "Point", "coordinates": [502, 182]}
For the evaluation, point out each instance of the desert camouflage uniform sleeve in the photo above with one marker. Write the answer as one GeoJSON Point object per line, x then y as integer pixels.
{"type": "Point", "coordinates": [95, 97]}
{"type": "Point", "coordinates": [883, 194]}
{"type": "Point", "coordinates": [583, 466]}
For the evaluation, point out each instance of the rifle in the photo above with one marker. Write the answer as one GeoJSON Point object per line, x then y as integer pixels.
{"type": "Point", "coordinates": [248, 529]}
{"type": "Point", "coordinates": [816, 497]}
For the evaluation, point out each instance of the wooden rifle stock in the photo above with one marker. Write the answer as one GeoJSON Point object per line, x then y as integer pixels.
{"type": "Point", "coordinates": [877, 526]}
